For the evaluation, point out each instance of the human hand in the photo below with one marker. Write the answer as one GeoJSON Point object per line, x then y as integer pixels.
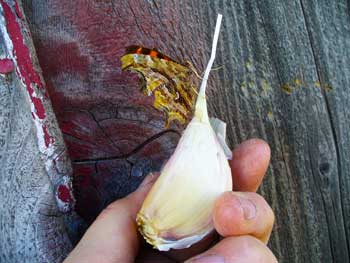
{"type": "Point", "coordinates": [242, 218]}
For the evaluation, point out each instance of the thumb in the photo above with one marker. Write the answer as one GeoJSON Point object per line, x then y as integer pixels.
{"type": "Point", "coordinates": [113, 236]}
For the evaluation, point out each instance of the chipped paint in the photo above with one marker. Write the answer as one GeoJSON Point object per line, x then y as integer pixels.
{"type": "Point", "coordinates": [64, 194]}
{"type": "Point", "coordinates": [6, 66]}
{"type": "Point", "coordinates": [21, 57]}
{"type": "Point", "coordinates": [16, 36]}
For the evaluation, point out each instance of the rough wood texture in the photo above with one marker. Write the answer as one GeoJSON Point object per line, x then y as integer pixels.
{"type": "Point", "coordinates": [35, 172]}
{"type": "Point", "coordinates": [284, 78]}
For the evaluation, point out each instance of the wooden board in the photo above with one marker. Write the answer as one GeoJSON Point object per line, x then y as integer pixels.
{"type": "Point", "coordinates": [35, 185]}
{"type": "Point", "coordinates": [284, 78]}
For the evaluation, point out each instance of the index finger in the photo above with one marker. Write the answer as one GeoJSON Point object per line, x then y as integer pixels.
{"type": "Point", "coordinates": [249, 164]}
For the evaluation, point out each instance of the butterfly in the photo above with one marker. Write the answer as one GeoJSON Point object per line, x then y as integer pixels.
{"type": "Point", "coordinates": [171, 82]}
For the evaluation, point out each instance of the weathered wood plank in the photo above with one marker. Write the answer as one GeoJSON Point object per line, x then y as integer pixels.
{"type": "Point", "coordinates": [28, 208]}
{"type": "Point", "coordinates": [285, 78]}
{"type": "Point", "coordinates": [304, 179]}
{"type": "Point", "coordinates": [306, 183]}
{"type": "Point", "coordinates": [329, 32]}
{"type": "Point", "coordinates": [34, 178]}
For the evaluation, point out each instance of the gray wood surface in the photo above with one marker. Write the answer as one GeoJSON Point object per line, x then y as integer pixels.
{"type": "Point", "coordinates": [285, 77]}
{"type": "Point", "coordinates": [266, 48]}
{"type": "Point", "coordinates": [31, 227]}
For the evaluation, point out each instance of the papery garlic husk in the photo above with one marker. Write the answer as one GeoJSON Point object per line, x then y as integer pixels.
{"type": "Point", "coordinates": [177, 211]}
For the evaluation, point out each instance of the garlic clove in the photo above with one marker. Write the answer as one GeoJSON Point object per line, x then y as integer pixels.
{"type": "Point", "coordinates": [177, 212]}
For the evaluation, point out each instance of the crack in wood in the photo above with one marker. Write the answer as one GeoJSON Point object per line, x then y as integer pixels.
{"type": "Point", "coordinates": [132, 152]}
{"type": "Point", "coordinates": [103, 131]}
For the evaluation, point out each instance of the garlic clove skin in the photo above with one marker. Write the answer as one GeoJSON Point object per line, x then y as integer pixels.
{"type": "Point", "coordinates": [219, 128]}
{"type": "Point", "coordinates": [177, 211]}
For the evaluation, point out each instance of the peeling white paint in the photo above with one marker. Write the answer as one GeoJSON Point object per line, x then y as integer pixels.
{"type": "Point", "coordinates": [64, 206]}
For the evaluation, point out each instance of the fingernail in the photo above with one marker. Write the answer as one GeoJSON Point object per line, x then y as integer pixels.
{"type": "Point", "coordinates": [248, 207]}
{"type": "Point", "coordinates": [207, 259]}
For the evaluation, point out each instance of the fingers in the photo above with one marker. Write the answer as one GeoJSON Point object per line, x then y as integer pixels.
{"type": "Point", "coordinates": [136, 198]}
{"type": "Point", "coordinates": [249, 164]}
{"type": "Point", "coordinates": [243, 213]}
{"type": "Point", "coordinates": [113, 236]}
{"type": "Point", "coordinates": [241, 249]}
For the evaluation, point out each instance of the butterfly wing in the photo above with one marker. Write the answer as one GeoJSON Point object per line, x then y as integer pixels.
{"type": "Point", "coordinates": [171, 83]}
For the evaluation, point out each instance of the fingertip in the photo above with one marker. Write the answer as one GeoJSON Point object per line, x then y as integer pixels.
{"type": "Point", "coordinates": [249, 164]}
{"type": "Point", "coordinates": [228, 215]}
{"type": "Point", "coordinates": [243, 213]}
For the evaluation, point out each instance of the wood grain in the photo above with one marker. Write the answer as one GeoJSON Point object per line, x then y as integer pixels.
{"type": "Point", "coordinates": [35, 194]}
{"type": "Point", "coordinates": [280, 44]}
{"type": "Point", "coordinates": [31, 227]}
{"type": "Point", "coordinates": [284, 77]}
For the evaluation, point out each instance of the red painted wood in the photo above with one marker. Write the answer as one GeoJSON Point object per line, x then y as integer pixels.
{"type": "Point", "coordinates": [24, 63]}
{"type": "Point", "coordinates": [100, 109]}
